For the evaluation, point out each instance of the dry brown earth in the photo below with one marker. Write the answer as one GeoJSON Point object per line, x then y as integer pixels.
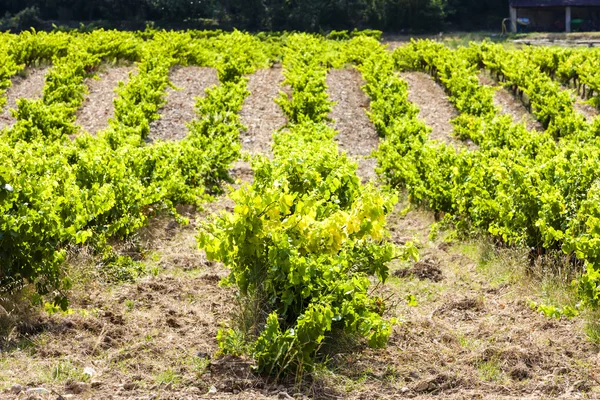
{"type": "Point", "coordinates": [260, 114]}
{"type": "Point", "coordinates": [180, 106]}
{"type": "Point", "coordinates": [28, 85]}
{"type": "Point", "coordinates": [434, 107]}
{"type": "Point", "coordinates": [357, 135]}
{"type": "Point", "coordinates": [98, 105]}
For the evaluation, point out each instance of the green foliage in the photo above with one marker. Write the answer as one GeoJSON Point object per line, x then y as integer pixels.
{"type": "Point", "coordinates": [257, 15]}
{"type": "Point", "coordinates": [118, 269]}
{"type": "Point", "coordinates": [55, 191]}
{"type": "Point", "coordinates": [338, 35]}
{"type": "Point", "coordinates": [305, 237]}
{"type": "Point", "coordinates": [411, 300]}
{"type": "Point", "coordinates": [525, 188]}
{"type": "Point", "coordinates": [25, 19]}
{"type": "Point", "coordinates": [307, 80]}
{"type": "Point", "coordinates": [551, 311]}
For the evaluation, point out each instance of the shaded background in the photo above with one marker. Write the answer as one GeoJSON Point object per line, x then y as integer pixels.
{"type": "Point", "coordinates": [305, 15]}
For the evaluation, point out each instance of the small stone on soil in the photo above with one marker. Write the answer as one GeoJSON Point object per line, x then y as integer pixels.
{"type": "Point", "coordinates": [519, 373]}
{"type": "Point", "coordinates": [16, 389]}
{"type": "Point", "coordinates": [130, 386]}
{"type": "Point", "coordinates": [77, 387]}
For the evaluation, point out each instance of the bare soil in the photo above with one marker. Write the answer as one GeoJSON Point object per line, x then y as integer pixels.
{"type": "Point", "coordinates": [98, 106]}
{"type": "Point", "coordinates": [357, 135]}
{"type": "Point", "coordinates": [434, 107]}
{"type": "Point", "coordinates": [179, 109]}
{"type": "Point", "coordinates": [588, 111]}
{"type": "Point", "coordinates": [510, 104]}
{"type": "Point", "coordinates": [260, 114]}
{"type": "Point", "coordinates": [29, 84]}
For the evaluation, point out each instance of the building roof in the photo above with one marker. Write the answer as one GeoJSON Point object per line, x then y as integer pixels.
{"type": "Point", "coordinates": [554, 3]}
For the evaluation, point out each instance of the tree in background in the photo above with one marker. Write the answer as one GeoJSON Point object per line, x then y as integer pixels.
{"type": "Point", "coordinates": [305, 15]}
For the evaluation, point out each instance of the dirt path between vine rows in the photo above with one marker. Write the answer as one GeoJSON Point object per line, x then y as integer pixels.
{"type": "Point", "coordinates": [588, 111]}
{"type": "Point", "coordinates": [98, 106]}
{"type": "Point", "coordinates": [180, 106]}
{"type": "Point", "coordinates": [434, 107]}
{"type": "Point", "coordinates": [510, 105]}
{"type": "Point", "coordinates": [357, 135]}
{"type": "Point", "coordinates": [27, 85]}
{"type": "Point", "coordinates": [260, 114]}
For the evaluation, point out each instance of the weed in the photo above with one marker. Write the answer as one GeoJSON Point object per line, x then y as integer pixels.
{"type": "Point", "coordinates": [130, 305]}
{"type": "Point", "coordinates": [592, 327]}
{"type": "Point", "coordinates": [490, 371]}
{"type": "Point", "coordinates": [64, 371]}
{"type": "Point", "coordinates": [200, 366]}
{"type": "Point", "coordinates": [168, 376]}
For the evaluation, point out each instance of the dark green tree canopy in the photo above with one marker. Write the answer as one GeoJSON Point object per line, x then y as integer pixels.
{"type": "Point", "coordinates": [306, 15]}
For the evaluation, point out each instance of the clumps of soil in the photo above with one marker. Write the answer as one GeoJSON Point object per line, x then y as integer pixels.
{"type": "Point", "coordinates": [29, 84]}
{"type": "Point", "coordinates": [424, 269]}
{"type": "Point", "coordinates": [260, 114]}
{"type": "Point", "coordinates": [517, 363]}
{"type": "Point", "coordinates": [509, 104]}
{"type": "Point", "coordinates": [357, 134]}
{"type": "Point", "coordinates": [441, 382]}
{"type": "Point", "coordinates": [98, 106]}
{"type": "Point", "coordinates": [510, 357]}
{"type": "Point", "coordinates": [180, 106]}
{"type": "Point", "coordinates": [229, 367]}
{"type": "Point", "coordinates": [464, 309]}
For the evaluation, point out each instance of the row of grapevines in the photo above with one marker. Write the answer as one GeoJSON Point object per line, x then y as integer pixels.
{"type": "Point", "coordinates": [41, 199]}
{"type": "Point", "coordinates": [552, 106]}
{"type": "Point", "coordinates": [8, 66]}
{"type": "Point", "coordinates": [25, 50]}
{"type": "Point", "coordinates": [453, 69]}
{"type": "Point", "coordinates": [576, 67]}
{"type": "Point", "coordinates": [305, 237]}
{"type": "Point", "coordinates": [55, 192]}
{"type": "Point", "coordinates": [530, 191]}
{"type": "Point", "coordinates": [479, 120]}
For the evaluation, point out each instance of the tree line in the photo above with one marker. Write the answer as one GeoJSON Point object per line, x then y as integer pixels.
{"type": "Point", "coordinates": [305, 15]}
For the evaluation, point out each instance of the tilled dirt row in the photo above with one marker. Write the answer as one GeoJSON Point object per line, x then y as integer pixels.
{"type": "Point", "coordinates": [260, 114]}
{"type": "Point", "coordinates": [510, 105]}
{"type": "Point", "coordinates": [357, 135]}
{"type": "Point", "coordinates": [434, 107]}
{"type": "Point", "coordinates": [98, 106]}
{"type": "Point", "coordinates": [180, 106]}
{"type": "Point", "coordinates": [29, 85]}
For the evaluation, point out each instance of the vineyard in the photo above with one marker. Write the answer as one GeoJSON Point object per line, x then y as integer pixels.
{"type": "Point", "coordinates": [203, 214]}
